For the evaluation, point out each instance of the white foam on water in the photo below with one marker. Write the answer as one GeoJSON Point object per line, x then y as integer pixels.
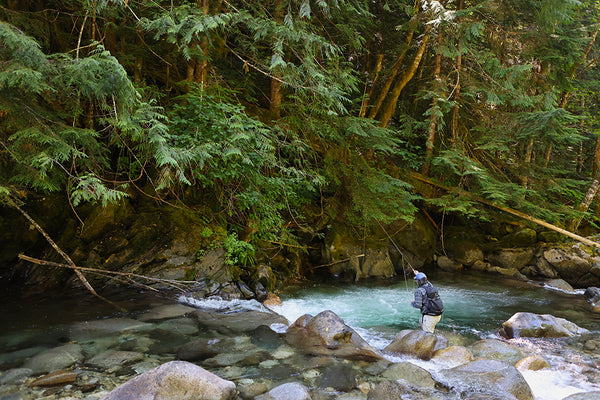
{"type": "Point", "coordinates": [551, 384]}
{"type": "Point", "coordinates": [221, 305]}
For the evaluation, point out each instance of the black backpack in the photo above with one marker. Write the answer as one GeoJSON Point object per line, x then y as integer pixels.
{"type": "Point", "coordinates": [432, 304]}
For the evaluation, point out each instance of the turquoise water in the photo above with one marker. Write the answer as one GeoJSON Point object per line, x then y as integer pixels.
{"type": "Point", "coordinates": [476, 305]}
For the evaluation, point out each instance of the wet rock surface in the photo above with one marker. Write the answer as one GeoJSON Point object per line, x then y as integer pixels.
{"type": "Point", "coordinates": [174, 352]}
{"type": "Point", "coordinates": [526, 324]}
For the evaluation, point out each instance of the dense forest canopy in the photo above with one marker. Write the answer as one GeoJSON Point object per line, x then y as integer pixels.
{"type": "Point", "coordinates": [271, 114]}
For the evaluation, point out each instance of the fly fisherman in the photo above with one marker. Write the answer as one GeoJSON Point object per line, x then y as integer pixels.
{"type": "Point", "coordinates": [428, 301]}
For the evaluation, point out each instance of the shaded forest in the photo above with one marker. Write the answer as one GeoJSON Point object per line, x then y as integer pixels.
{"type": "Point", "coordinates": [274, 117]}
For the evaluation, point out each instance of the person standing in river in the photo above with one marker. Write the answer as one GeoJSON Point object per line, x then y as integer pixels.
{"type": "Point", "coordinates": [428, 301]}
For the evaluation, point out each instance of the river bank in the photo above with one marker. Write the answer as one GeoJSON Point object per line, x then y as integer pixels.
{"type": "Point", "coordinates": [101, 348]}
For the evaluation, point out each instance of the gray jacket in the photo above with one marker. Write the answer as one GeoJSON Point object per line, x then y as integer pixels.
{"type": "Point", "coordinates": [420, 295]}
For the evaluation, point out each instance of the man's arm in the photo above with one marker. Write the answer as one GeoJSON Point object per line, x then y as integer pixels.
{"type": "Point", "coordinates": [418, 301]}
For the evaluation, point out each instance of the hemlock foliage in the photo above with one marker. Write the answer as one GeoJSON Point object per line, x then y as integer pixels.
{"type": "Point", "coordinates": [261, 111]}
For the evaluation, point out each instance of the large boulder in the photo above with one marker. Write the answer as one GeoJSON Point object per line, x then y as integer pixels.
{"type": "Point", "coordinates": [592, 295]}
{"type": "Point", "coordinates": [410, 374]}
{"type": "Point", "coordinates": [511, 258]}
{"type": "Point", "coordinates": [495, 377]}
{"type": "Point", "coordinates": [453, 356]}
{"type": "Point", "coordinates": [417, 343]}
{"type": "Point", "coordinates": [417, 242]}
{"type": "Point", "coordinates": [559, 284]}
{"type": "Point", "coordinates": [570, 266]}
{"type": "Point", "coordinates": [524, 324]}
{"type": "Point", "coordinates": [175, 380]}
{"type": "Point", "coordinates": [327, 334]}
{"type": "Point", "coordinates": [237, 321]}
{"type": "Point", "coordinates": [495, 349]}
{"type": "Point", "coordinates": [352, 259]}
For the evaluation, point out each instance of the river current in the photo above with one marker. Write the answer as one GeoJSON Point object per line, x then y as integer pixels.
{"type": "Point", "coordinates": [475, 307]}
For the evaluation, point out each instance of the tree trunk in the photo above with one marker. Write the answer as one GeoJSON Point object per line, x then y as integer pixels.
{"type": "Point", "coordinates": [276, 96]}
{"type": "Point", "coordinates": [365, 103]}
{"type": "Point", "coordinates": [527, 162]}
{"type": "Point", "coordinates": [565, 97]}
{"type": "Point", "coordinates": [429, 146]}
{"type": "Point", "coordinates": [455, 135]}
{"type": "Point", "coordinates": [390, 79]}
{"type": "Point", "coordinates": [584, 205]}
{"type": "Point", "coordinates": [390, 107]}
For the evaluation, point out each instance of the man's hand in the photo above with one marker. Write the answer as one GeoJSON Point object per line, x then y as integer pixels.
{"type": "Point", "coordinates": [415, 272]}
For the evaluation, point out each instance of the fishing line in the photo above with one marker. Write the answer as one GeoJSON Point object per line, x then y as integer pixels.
{"type": "Point", "coordinates": [397, 248]}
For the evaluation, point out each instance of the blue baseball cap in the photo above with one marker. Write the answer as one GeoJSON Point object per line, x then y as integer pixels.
{"type": "Point", "coordinates": [420, 276]}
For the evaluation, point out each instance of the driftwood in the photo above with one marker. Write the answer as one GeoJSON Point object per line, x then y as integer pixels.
{"type": "Point", "coordinates": [510, 211]}
{"type": "Point", "coordinates": [80, 270]}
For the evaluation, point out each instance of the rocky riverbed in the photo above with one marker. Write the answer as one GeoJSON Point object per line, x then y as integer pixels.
{"type": "Point", "coordinates": [247, 345]}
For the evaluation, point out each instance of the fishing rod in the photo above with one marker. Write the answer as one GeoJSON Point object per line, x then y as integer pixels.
{"type": "Point", "coordinates": [397, 248]}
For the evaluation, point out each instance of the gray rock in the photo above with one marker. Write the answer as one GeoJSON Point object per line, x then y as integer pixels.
{"type": "Point", "coordinates": [175, 380]}
{"type": "Point", "coordinates": [496, 377]}
{"type": "Point", "coordinates": [559, 284]}
{"type": "Point", "coordinates": [417, 343]}
{"type": "Point", "coordinates": [410, 374]}
{"type": "Point", "coordinates": [338, 376]}
{"type": "Point", "coordinates": [183, 326]}
{"type": "Point", "coordinates": [326, 334]}
{"type": "Point", "coordinates": [113, 358]}
{"type": "Point", "coordinates": [453, 356]}
{"type": "Point", "coordinates": [571, 267]}
{"type": "Point", "coordinates": [287, 391]}
{"type": "Point", "coordinates": [251, 390]}
{"type": "Point", "coordinates": [592, 295]}
{"type": "Point", "coordinates": [21, 355]}
{"type": "Point", "coordinates": [495, 349]}
{"type": "Point", "coordinates": [54, 359]}
{"type": "Point", "coordinates": [536, 325]}
{"type": "Point", "coordinates": [392, 390]}
{"type": "Point", "coordinates": [166, 311]}
{"type": "Point", "coordinates": [224, 359]}
{"type": "Point", "coordinates": [584, 396]}
{"type": "Point", "coordinates": [83, 331]}
{"type": "Point", "coordinates": [200, 349]}
{"type": "Point", "coordinates": [237, 322]}
{"type": "Point", "coordinates": [511, 258]}
{"type": "Point", "coordinates": [15, 375]}
{"type": "Point", "coordinates": [447, 264]}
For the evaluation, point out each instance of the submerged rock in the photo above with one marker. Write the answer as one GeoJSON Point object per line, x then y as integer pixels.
{"type": "Point", "coordinates": [417, 343]}
{"type": "Point", "coordinates": [391, 390]}
{"type": "Point", "coordinates": [175, 380]}
{"type": "Point", "coordinates": [54, 359]}
{"type": "Point", "coordinates": [237, 321]}
{"type": "Point", "coordinates": [88, 330]}
{"type": "Point", "coordinates": [535, 325]}
{"type": "Point", "coordinates": [495, 349]}
{"type": "Point", "coordinates": [410, 374]}
{"type": "Point", "coordinates": [55, 378]}
{"type": "Point", "coordinates": [166, 311]}
{"type": "Point", "coordinates": [327, 334]}
{"type": "Point", "coordinates": [287, 391]}
{"type": "Point", "coordinates": [496, 377]}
